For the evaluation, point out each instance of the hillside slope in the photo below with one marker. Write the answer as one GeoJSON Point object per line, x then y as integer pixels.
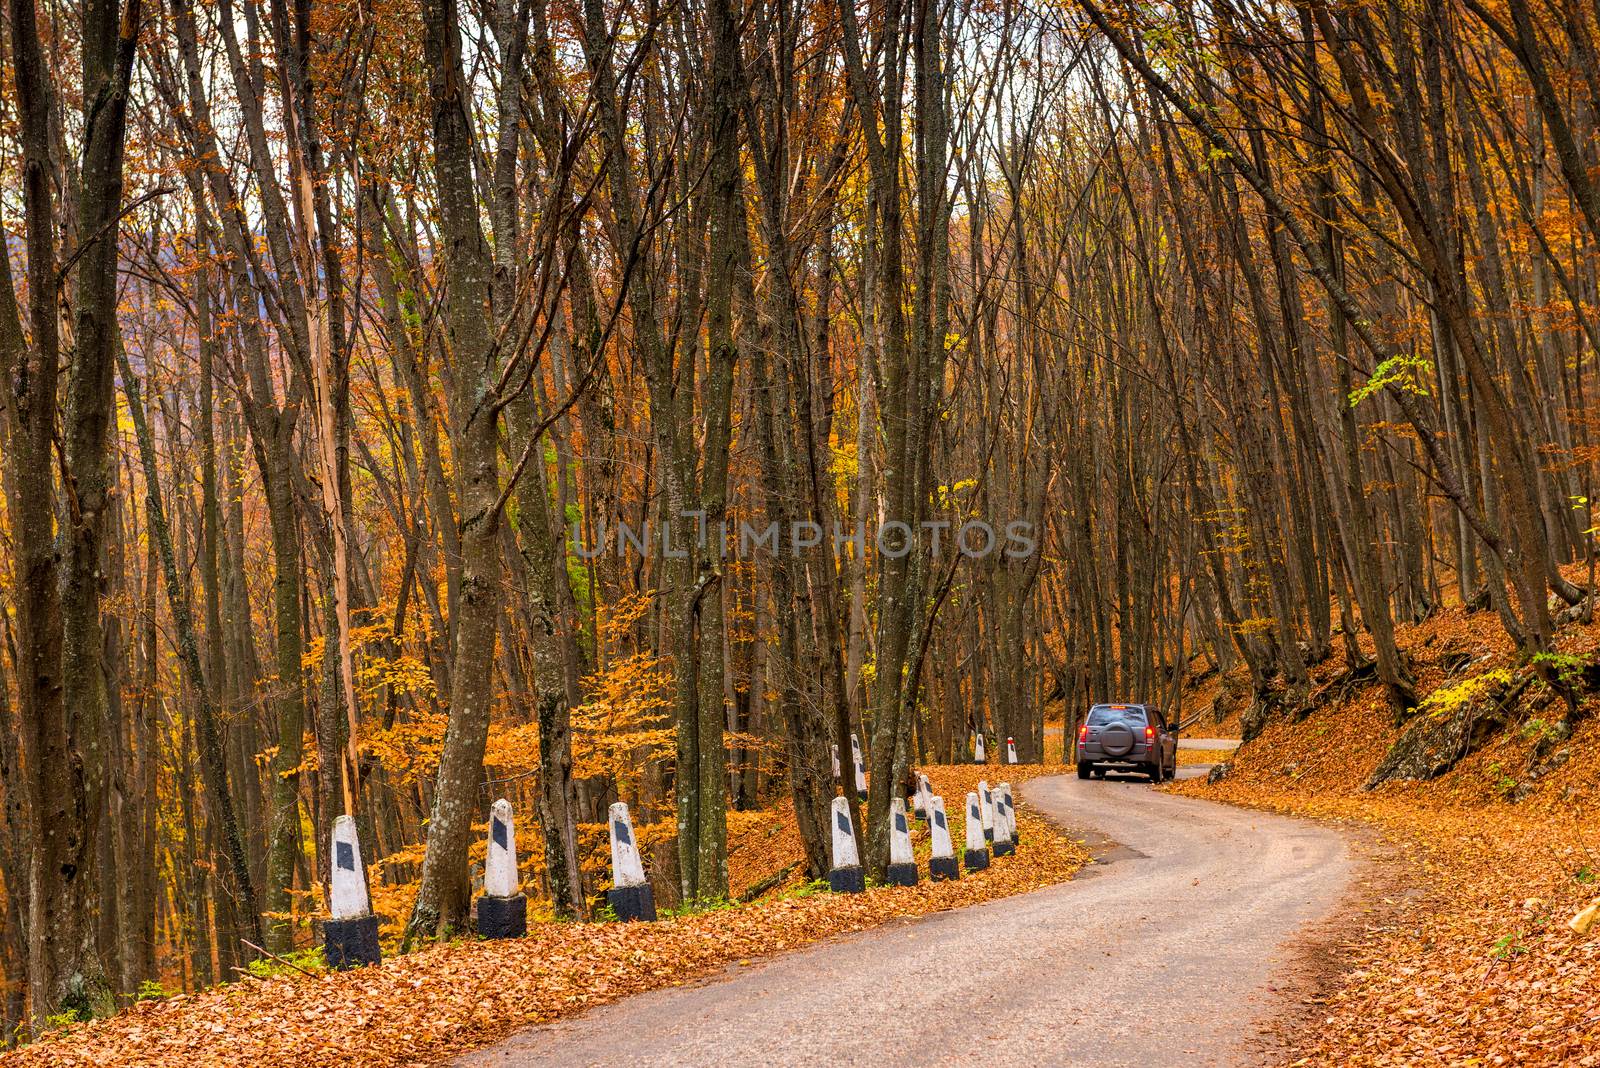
{"type": "Point", "coordinates": [1465, 955]}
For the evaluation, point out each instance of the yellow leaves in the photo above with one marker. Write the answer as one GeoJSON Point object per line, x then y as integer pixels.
{"type": "Point", "coordinates": [742, 740]}
{"type": "Point", "coordinates": [512, 749]}
{"type": "Point", "coordinates": [1451, 698]}
{"type": "Point", "coordinates": [410, 750]}
{"type": "Point", "coordinates": [947, 494]}
{"type": "Point", "coordinates": [392, 901]}
{"type": "Point", "coordinates": [401, 674]}
{"type": "Point", "coordinates": [846, 464]}
{"type": "Point", "coordinates": [620, 617]}
{"type": "Point", "coordinates": [376, 674]}
{"type": "Point", "coordinates": [1257, 625]}
{"type": "Point", "coordinates": [619, 753]}
{"type": "Point", "coordinates": [625, 723]}
{"type": "Point", "coordinates": [308, 763]}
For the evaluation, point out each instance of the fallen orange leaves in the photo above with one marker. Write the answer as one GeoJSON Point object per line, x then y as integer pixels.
{"type": "Point", "coordinates": [429, 1005]}
{"type": "Point", "coordinates": [1471, 962]}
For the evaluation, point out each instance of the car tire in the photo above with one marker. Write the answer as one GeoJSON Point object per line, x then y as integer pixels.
{"type": "Point", "coordinates": [1154, 771]}
{"type": "Point", "coordinates": [1084, 770]}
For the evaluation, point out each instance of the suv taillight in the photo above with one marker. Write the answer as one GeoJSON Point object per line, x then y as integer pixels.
{"type": "Point", "coordinates": [1083, 733]}
{"type": "Point", "coordinates": [1149, 735]}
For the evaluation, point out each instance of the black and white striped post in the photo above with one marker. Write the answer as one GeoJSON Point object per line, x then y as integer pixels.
{"type": "Point", "coordinates": [1011, 815]}
{"type": "Point", "coordinates": [1004, 838]}
{"type": "Point", "coordinates": [986, 798]}
{"type": "Point", "coordinates": [846, 876]}
{"type": "Point", "coordinates": [902, 863]}
{"type": "Point", "coordinates": [861, 768]}
{"type": "Point", "coordinates": [942, 856]}
{"type": "Point", "coordinates": [503, 909]}
{"type": "Point", "coordinates": [976, 857]}
{"type": "Point", "coordinates": [630, 896]}
{"type": "Point", "coordinates": [350, 935]}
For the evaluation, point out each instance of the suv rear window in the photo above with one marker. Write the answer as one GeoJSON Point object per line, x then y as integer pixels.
{"type": "Point", "coordinates": [1105, 715]}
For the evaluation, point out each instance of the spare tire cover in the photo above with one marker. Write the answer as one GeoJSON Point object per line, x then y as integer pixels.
{"type": "Point", "coordinates": [1116, 740]}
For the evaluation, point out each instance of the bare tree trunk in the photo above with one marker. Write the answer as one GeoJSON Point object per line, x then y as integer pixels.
{"type": "Point", "coordinates": [444, 899]}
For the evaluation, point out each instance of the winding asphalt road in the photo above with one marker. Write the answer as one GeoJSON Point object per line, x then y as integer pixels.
{"type": "Point", "coordinates": [1161, 953]}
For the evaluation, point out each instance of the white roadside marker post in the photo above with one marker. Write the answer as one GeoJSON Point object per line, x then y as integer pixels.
{"type": "Point", "coordinates": [979, 755]}
{"type": "Point", "coordinates": [902, 863]}
{"type": "Point", "coordinates": [503, 909]}
{"type": "Point", "coordinates": [986, 796]}
{"type": "Point", "coordinates": [1011, 816]}
{"type": "Point", "coordinates": [924, 791]}
{"type": "Point", "coordinates": [976, 857]}
{"type": "Point", "coordinates": [1011, 750]}
{"type": "Point", "coordinates": [861, 768]}
{"type": "Point", "coordinates": [846, 876]}
{"type": "Point", "coordinates": [1004, 839]}
{"type": "Point", "coordinates": [350, 936]}
{"type": "Point", "coordinates": [629, 897]}
{"type": "Point", "coordinates": [942, 859]}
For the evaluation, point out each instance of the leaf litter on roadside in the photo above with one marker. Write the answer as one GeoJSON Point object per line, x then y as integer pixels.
{"type": "Point", "coordinates": [1473, 962]}
{"type": "Point", "coordinates": [425, 1006]}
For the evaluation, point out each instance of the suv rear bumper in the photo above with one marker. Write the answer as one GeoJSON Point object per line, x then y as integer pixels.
{"type": "Point", "coordinates": [1090, 753]}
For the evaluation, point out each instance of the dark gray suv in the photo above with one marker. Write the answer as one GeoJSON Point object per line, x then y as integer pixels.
{"type": "Point", "coordinates": [1127, 737]}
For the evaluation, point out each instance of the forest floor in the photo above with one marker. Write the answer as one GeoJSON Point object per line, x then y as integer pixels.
{"type": "Point", "coordinates": [430, 1005]}
{"type": "Point", "coordinates": [1461, 953]}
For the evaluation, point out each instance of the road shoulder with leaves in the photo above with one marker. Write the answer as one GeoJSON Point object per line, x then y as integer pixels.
{"type": "Point", "coordinates": [427, 1006]}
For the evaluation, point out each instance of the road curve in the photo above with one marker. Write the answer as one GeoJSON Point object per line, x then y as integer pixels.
{"type": "Point", "coordinates": [1161, 954]}
{"type": "Point", "coordinates": [1209, 744]}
